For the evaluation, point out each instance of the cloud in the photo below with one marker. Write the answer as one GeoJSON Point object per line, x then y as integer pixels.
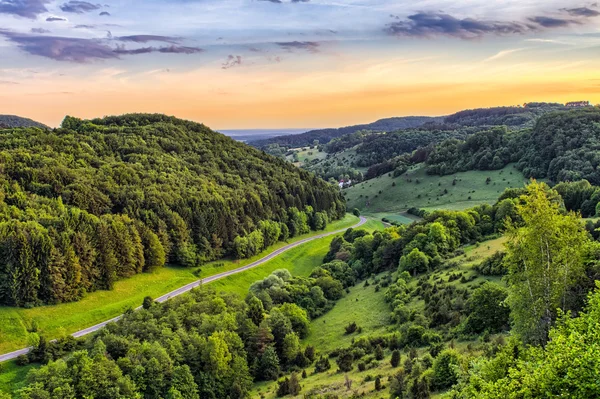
{"type": "Point", "coordinates": [311, 47]}
{"type": "Point", "coordinates": [24, 8]}
{"type": "Point", "coordinates": [165, 50]}
{"type": "Point", "coordinates": [180, 50]}
{"type": "Point", "coordinates": [8, 83]}
{"type": "Point", "coordinates": [39, 30]}
{"type": "Point", "coordinates": [502, 54]}
{"type": "Point", "coordinates": [550, 22]}
{"type": "Point", "coordinates": [232, 60]}
{"type": "Point", "coordinates": [61, 48]}
{"type": "Point", "coordinates": [82, 50]}
{"type": "Point", "coordinates": [104, 14]}
{"type": "Point", "coordinates": [583, 12]}
{"type": "Point", "coordinates": [85, 26]}
{"type": "Point", "coordinates": [148, 38]}
{"type": "Point", "coordinates": [281, 2]}
{"type": "Point", "coordinates": [55, 19]}
{"type": "Point", "coordinates": [430, 24]}
{"type": "Point", "coordinates": [79, 7]}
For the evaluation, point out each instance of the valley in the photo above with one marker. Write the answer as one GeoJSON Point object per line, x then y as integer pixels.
{"type": "Point", "coordinates": [306, 301]}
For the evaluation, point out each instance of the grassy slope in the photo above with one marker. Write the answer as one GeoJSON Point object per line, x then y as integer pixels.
{"type": "Point", "coordinates": [304, 156]}
{"type": "Point", "coordinates": [371, 313]}
{"type": "Point", "coordinates": [395, 199]}
{"type": "Point", "coordinates": [102, 305]}
{"type": "Point", "coordinates": [362, 305]}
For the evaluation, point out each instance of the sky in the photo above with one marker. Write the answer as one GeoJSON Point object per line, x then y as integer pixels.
{"type": "Point", "coordinates": [242, 64]}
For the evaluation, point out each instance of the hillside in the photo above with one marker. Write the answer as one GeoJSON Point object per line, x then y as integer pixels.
{"type": "Point", "coordinates": [387, 196]}
{"type": "Point", "coordinates": [323, 136]}
{"type": "Point", "coordinates": [96, 201]}
{"type": "Point", "coordinates": [11, 121]}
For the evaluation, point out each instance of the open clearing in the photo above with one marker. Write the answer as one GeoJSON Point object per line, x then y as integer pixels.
{"type": "Point", "coordinates": [388, 195]}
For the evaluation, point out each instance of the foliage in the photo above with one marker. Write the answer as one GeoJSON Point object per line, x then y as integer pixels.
{"type": "Point", "coordinates": [101, 200]}
{"type": "Point", "coordinates": [544, 257]}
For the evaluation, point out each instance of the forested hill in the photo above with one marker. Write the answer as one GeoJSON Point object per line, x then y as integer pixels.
{"type": "Point", "coordinates": [324, 136]}
{"type": "Point", "coordinates": [563, 146]}
{"type": "Point", "coordinates": [95, 201]}
{"type": "Point", "coordinates": [8, 121]}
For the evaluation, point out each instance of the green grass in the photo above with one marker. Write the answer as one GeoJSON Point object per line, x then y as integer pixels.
{"type": "Point", "coordinates": [362, 305]}
{"type": "Point", "coordinates": [470, 190]}
{"type": "Point", "coordinates": [300, 261]}
{"type": "Point", "coordinates": [306, 155]}
{"type": "Point", "coordinates": [99, 306]}
{"type": "Point", "coordinates": [12, 377]}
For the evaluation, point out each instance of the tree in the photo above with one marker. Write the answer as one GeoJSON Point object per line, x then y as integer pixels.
{"type": "Point", "coordinates": [487, 309]}
{"type": "Point", "coordinates": [445, 373]}
{"type": "Point", "coordinates": [256, 310]}
{"type": "Point", "coordinates": [415, 262]}
{"type": "Point", "coordinates": [544, 256]}
{"type": "Point", "coordinates": [379, 352]}
{"type": "Point", "coordinates": [269, 365]}
{"type": "Point", "coordinates": [378, 386]}
{"type": "Point", "coordinates": [291, 348]}
{"type": "Point", "coordinates": [356, 212]}
{"type": "Point", "coordinates": [395, 361]}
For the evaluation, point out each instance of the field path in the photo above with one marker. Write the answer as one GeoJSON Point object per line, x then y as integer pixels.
{"type": "Point", "coordinates": [192, 285]}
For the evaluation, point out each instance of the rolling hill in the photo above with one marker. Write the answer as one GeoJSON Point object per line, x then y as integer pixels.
{"type": "Point", "coordinates": [10, 121]}
{"type": "Point", "coordinates": [323, 136]}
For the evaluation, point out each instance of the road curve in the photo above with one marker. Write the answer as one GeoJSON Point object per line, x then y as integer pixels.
{"type": "Point", "coordinates": [192, 285]}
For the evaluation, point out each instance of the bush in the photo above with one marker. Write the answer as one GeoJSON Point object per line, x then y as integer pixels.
{"type": "Point", "coordinates": [322, 364]}
{"type": "Point", "coordinates": [351, 328]}
{"type": "Point", "coordinates": [344, 361]}
{"type": "Point", "coordinates": [22, 360]}
{"type": "Point", "coordinates": [356, 212]}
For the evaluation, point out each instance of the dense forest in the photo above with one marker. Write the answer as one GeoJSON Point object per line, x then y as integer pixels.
{"type": "Point", "coordinates": [213, 345]}
{"type": "Point", "coordinates": [95, 201]}
{"type": "Point", "coordinates": [563, 146]}
{"type": "Point", "coordinates": [8, 121]}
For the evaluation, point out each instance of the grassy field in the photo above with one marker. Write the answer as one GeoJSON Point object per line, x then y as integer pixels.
{"type": "Point", "coordinates": [416, 188]}
{"type": "Point", "coordinates": [362, 305]}
{"type": "Point", "coordinates": [306, 155]}
{"type": "Point", "coordinates": [300, 261]}
{"type": "Point", "coordinates": [98, 306]}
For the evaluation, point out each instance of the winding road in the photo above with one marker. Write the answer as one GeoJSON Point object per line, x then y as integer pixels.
{"type": "Point", "coordinates": [192, 285]}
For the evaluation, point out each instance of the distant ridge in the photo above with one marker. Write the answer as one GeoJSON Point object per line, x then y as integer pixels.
{"type": "Point", "coordinates": [10, 121]}
{"type": "Point", "coordinates": [326, 135]}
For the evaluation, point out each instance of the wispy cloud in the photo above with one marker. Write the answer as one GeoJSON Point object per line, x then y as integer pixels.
{"type": "Point", "coordinates": [311, 47]}
{"type": "Point", "coordinates": [232, 61]}
{"type": "Point", "coordinates": [83, 50]}
{"type": "Point", "coordinates": [503, 53]}
{"type": "Point", "coordinates": [431, 24]}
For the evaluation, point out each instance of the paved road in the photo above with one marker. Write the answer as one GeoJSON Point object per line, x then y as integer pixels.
{"type": "Point", "coordinates": [190, 286]}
